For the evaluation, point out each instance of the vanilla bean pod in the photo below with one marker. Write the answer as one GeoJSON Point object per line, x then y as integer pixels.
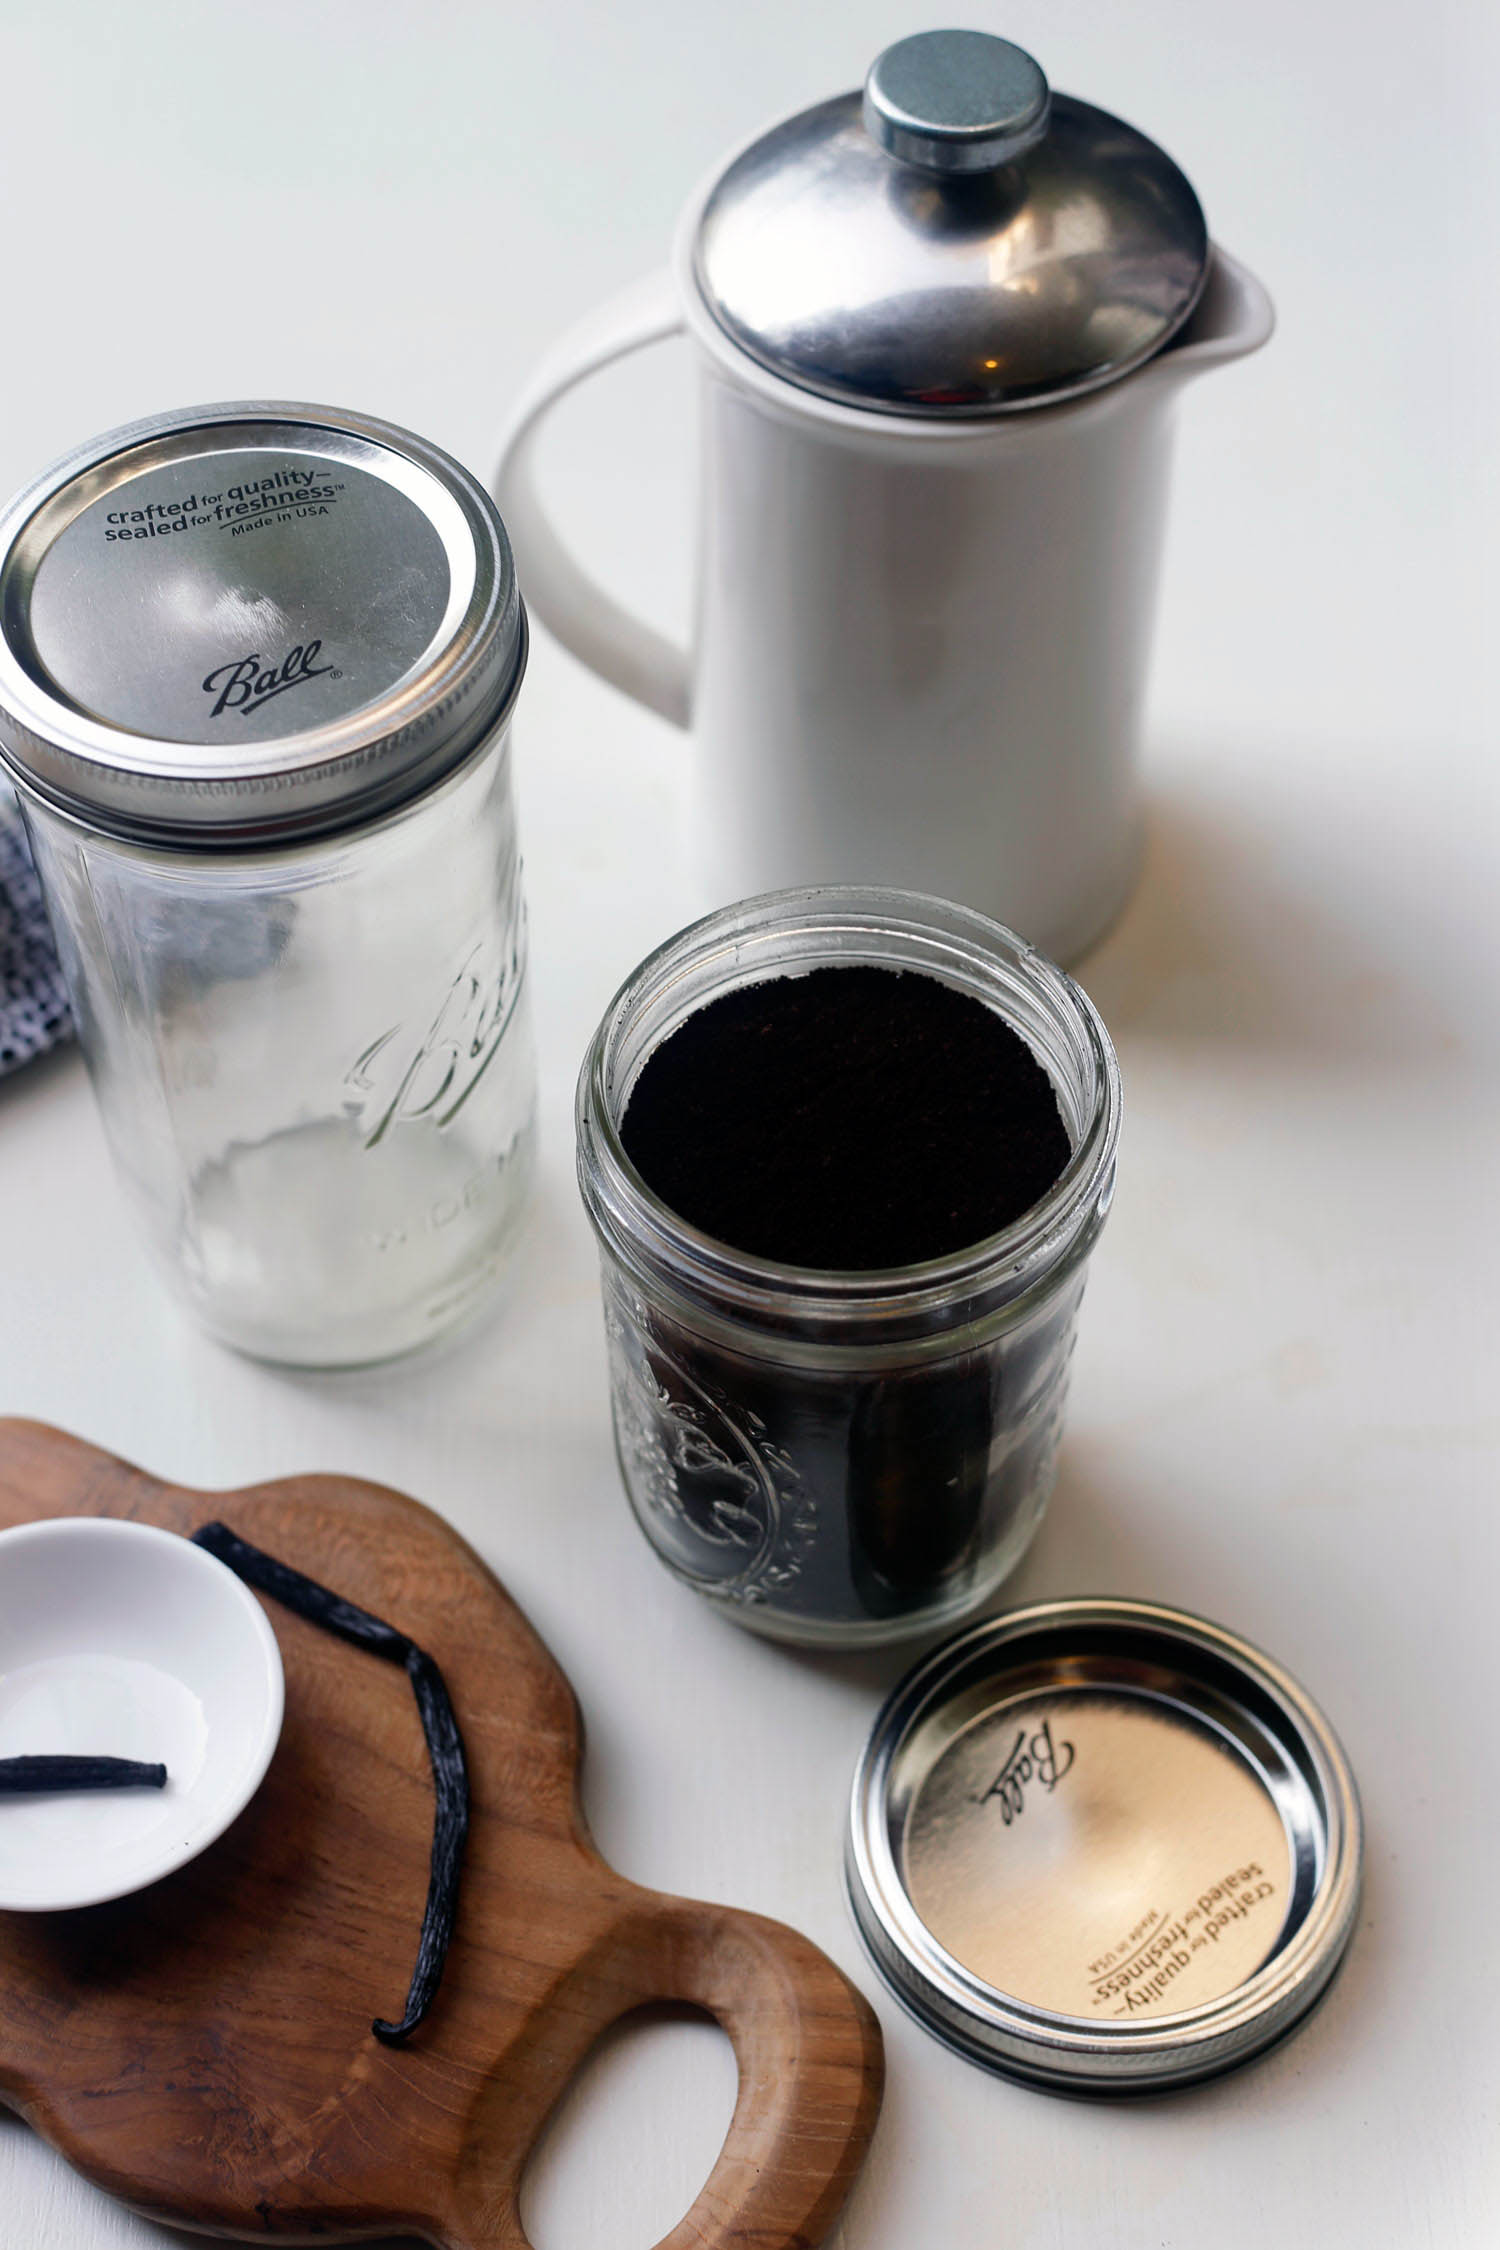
{"type": "Point", "coordinates": [20, 1776]}
{"type": "Point", "coordinates": [445, 1748]}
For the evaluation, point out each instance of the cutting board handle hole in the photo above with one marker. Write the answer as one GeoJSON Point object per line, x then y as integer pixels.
{"type": "Point", "coordinates": [657, 2090]}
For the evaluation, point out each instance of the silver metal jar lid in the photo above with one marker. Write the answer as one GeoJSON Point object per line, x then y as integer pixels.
{"type": "Point", "coordinates": [1104, 1847]}
{"type": "Point", "coordinates": [959, 241]}
{"type": "Point", "coordinates": [251, 622]}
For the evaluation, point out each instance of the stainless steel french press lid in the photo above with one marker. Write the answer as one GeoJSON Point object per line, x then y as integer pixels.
{"type": "Point", "coordinates": [251, 623]}
{"type": "Point", "coordinates": [960, 240]}
{"type": "Point", "coordinates": [1104, 1847]}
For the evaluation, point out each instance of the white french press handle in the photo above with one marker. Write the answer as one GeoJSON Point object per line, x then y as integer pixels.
{"type": "Point", "coordinates": [588, 621]}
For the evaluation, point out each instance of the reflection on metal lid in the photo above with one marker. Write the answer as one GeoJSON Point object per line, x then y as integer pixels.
{"type": "Point", "coordinates": [251, 620]}
{"type": "Point", "coordinates": [963, 242]}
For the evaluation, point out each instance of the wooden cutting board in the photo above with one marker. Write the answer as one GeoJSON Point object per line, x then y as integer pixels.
{"type": "Point", "coordinates": [203, 2049]}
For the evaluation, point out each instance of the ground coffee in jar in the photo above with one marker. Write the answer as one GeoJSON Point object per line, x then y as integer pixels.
{"type": "Point", "coordinates": [846, 1153]}
{"type": "Point", "coordinates": [850, 1118]}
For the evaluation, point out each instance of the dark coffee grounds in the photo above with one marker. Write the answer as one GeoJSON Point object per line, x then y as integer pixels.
{"type": "Point", "coordinates": [852, 1118]}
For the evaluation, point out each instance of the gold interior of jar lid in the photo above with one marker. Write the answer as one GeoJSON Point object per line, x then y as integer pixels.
{"type": "Point", "coordinates": [1098, 1855]}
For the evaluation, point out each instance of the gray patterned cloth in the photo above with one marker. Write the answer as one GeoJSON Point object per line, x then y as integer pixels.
{"type": "Point", "coordinates": [34, 1011]}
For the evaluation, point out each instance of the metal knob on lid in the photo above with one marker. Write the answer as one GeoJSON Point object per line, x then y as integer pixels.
{"type": "Point", "coordinates": [956, 101]}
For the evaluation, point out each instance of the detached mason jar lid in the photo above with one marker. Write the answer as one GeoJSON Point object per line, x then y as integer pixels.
{"type": "Point", "coordinates": [960, 241]}
{"type": "Point", "coordinates": [1104, 1847]}
{"type": "Point", "coordinates": [251, 623]}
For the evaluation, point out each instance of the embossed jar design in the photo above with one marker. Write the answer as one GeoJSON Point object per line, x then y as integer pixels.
{"type": "Point", "coordinates": [257, 666]}
{"type": "Point", "coordinates": [842, 1457]}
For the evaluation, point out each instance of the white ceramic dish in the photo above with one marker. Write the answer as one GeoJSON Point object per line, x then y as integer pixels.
{"type": "Point", "coordinates": [119, 1640]}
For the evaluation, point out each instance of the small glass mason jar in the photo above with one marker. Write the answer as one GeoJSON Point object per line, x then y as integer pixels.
{"type": "Point", "coordinates": [843, 1458]}
{"type": "Point", "coordinates": [257, 668]}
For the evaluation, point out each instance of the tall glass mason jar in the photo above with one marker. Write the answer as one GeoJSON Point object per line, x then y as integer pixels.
{"type": "Point", "coordinates": [843, 1458]}
{"type": "Point", "coordinates": [257, 668]}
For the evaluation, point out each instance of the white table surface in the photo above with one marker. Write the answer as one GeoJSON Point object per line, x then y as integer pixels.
{"type": "Point", "coordinates": [1278, 1415]}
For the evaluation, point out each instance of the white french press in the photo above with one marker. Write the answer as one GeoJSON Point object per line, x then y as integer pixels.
{"type": "Point", "coordinates": [940, 329]}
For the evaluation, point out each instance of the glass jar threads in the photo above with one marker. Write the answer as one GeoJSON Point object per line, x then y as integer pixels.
{"type": "Point", "coordinates": [257, 668]}
{"type": "Point", "coordinates": [843, 1457]}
